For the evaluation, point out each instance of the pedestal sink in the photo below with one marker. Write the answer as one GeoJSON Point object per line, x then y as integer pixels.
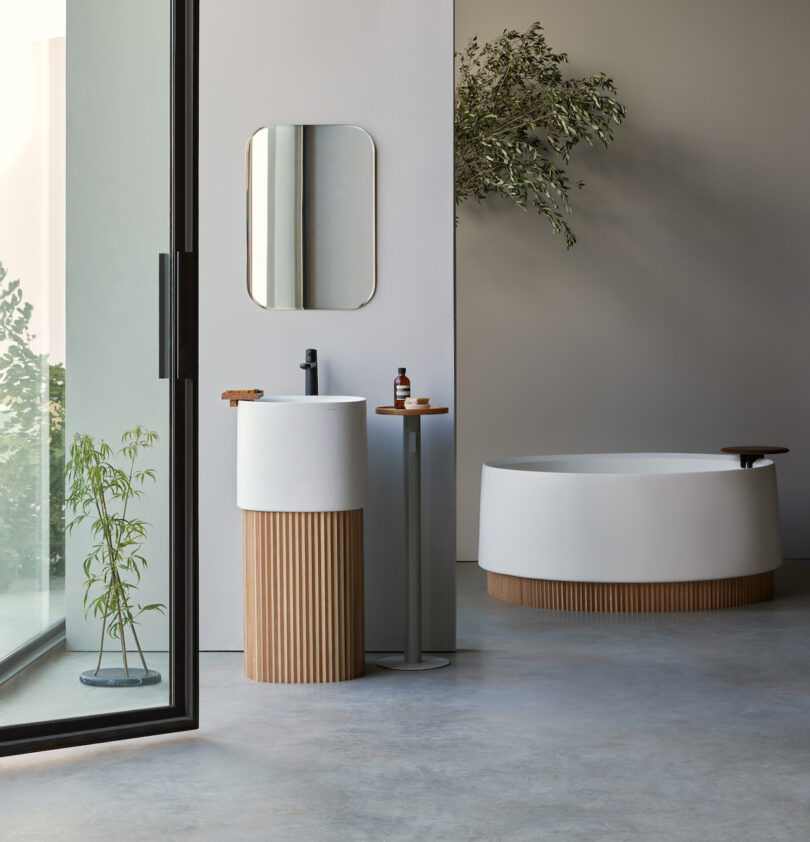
{"type": "Point", "coordinates": [301, 454]}
{"type": "Point", "coordinates": [301, 482]}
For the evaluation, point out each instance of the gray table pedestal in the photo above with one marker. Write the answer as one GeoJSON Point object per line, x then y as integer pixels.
{"type": "Point", "coordinates": [413, 659]}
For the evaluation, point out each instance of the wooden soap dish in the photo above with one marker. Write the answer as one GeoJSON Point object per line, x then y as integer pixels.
{"type": "Point", "coordinates": [236, 395]}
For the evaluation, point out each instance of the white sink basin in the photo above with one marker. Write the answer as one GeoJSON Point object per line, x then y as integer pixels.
{"type": "Point", "coordinates": [301, 454]}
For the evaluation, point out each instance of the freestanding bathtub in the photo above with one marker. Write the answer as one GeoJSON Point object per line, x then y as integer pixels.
{"type": "Point", "coordinates": [629, 531]}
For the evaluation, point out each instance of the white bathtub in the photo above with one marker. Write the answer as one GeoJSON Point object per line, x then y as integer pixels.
{"type": "Point", "coordinates": [629, 518]}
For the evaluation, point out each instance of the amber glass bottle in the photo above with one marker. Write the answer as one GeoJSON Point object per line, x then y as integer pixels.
{"type": "Point", "coordinates": [402, 389]}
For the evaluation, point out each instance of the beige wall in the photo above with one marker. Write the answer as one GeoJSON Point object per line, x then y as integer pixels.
{"type": "Point", "coordinates": [680, 319]}
{"type": "Point", "coordinates": [311, 61]}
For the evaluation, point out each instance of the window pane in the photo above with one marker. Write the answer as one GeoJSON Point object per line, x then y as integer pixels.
{"type": "Point", "coordinates": [84, 213]}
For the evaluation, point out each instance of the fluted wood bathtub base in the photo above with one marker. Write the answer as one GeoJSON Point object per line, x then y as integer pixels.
{"type": "Point", "coordinates": [303, 596]}
{"type": "Point", "coordinates": [631, 596]}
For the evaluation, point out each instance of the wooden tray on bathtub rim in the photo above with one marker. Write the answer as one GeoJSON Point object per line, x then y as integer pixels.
{"type": "Point", "coordinates": [631, 596]}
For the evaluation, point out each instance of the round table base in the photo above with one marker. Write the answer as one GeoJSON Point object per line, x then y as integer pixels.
{"type": "Point", "coordinates": [398, 662]}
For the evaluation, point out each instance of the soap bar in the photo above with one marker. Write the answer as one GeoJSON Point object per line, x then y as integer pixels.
{"type": "Point", "coordinates": [416, 402]}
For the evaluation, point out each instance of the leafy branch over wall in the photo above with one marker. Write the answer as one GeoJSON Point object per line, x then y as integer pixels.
{"type": "Point", "coordinates": [518, 120]}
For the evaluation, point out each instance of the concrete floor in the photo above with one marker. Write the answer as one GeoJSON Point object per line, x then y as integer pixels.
{"type": "Point", "coordinates": [547, 726]}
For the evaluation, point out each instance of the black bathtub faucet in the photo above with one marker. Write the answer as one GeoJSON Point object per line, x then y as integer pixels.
{"type": "Point", "coordinates": [311, 369]}
{"type": "Point", "coordinates": [750, 453]}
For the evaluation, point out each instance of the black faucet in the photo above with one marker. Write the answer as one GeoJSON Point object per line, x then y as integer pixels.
{"type": "Point", "coordinates": [311, 368]}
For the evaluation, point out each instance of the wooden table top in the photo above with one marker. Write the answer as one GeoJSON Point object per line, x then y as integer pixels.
{"type": "Point", "coordinates": [754, 450]}
{"type": "Point", "coordinates": [428, 410]}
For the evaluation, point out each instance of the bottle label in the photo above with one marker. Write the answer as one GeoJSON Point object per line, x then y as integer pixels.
{"type": "Point", "coordinates": [403, 392]}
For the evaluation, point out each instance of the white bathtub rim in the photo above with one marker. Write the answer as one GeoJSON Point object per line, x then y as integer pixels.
{"type": "Point", "coordinates": [729, 462]}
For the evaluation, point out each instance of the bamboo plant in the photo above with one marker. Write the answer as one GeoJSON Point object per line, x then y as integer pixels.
{"type": "Point", "coordinates": [101, 492]}
{"type": "Point", "coordinates": [517, 120]}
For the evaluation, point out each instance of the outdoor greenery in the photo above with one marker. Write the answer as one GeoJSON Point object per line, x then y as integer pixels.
{"type": "Point", "coordinates": [518, 120]}
{"type": "Point", "coordinates": [56, 453]}
{"type": "Point", "coordinates": [101, 493]}
{"type": "Point", "coordinates": [29, 414]}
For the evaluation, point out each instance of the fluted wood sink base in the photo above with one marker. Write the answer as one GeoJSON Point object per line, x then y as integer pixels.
{"type": "Point", "coordinates": [303, 596]}
{"type": "Point", "coordinates": [631, 596]}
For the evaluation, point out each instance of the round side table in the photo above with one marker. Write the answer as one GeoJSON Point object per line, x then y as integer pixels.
{"type": "Point", "coordinates": [751, 452]}
{"type": "Point", "coordinates": [413, 659]}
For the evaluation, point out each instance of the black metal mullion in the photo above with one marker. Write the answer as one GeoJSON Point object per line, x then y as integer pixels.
{"type": "Point", "coordinates": [184, 632]}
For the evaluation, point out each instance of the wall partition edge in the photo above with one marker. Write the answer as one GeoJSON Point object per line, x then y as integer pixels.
{"type": "Point", "coordinates": [182, 712]}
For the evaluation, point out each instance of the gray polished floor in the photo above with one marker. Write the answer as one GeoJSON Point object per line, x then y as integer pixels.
{"type": "Point", "coordinates": [547, 726]}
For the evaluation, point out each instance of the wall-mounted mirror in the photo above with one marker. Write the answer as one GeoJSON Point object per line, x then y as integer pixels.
{"type": "Point", "coordinates": [311, 228]}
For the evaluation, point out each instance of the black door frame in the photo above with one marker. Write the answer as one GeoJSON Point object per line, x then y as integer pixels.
{"type": "Point", "coordinates": [182, 712]}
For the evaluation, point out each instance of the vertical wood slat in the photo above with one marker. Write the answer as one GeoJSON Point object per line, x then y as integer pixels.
{"type": "Point", "coordinates": [631, 596]}
{"type": "Point", "coordinates": [303, 596]}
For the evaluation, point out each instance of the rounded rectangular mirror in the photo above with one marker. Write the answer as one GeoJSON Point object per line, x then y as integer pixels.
{"type": "Point", "coordinates": [311, 217]}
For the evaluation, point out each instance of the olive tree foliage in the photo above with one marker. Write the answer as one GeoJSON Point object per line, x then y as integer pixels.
{"type": "Point", "coordinates": [32, 413]}
{"type": "Point", "coordinates": [517, 121]}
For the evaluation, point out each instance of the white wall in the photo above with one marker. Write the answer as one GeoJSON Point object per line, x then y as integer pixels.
{"type": "Point", "coordinates": [385, 66]}
{"type": "Point", "coordinates": [679, 320]}
{"type": "Point", "coordinates": [117, 223]}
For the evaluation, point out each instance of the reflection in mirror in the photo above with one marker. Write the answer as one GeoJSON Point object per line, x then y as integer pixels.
{"type": "Point", "coordinates": [311, 228]}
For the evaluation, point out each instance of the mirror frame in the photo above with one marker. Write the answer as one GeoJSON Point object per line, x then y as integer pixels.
{"type": "Point", "coordinates": [248, 226]}
{"type": "Point", "coordinates": [182, 712]}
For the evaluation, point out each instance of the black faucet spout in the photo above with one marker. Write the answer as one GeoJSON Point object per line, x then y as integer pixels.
{"type": "Point", "coordinates": [311, 369]}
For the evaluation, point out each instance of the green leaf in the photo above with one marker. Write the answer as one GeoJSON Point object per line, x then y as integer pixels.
{"type": "Point", "coordinates": [101, 491]}
{"type": "Point", "coordinates": [517, 120]}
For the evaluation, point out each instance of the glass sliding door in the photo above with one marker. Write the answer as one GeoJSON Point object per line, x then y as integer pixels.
{"type": "Point", "coordinates": [32, 329]}
{"type": "Point", "coordinates": [97, 370]}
